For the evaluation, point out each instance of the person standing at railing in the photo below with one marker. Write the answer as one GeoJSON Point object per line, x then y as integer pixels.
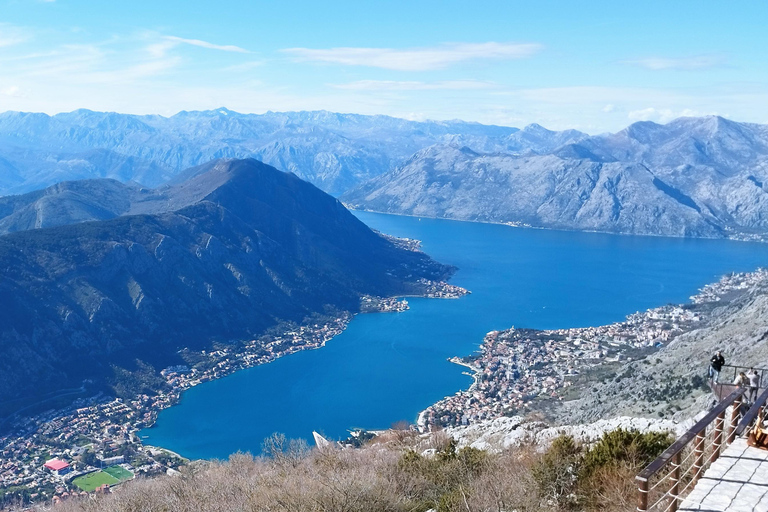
{"type": "Point", "coordinates": [715, 365]}
{"type": "Point", "coordinates": [754, 383]}
{"type": "Point", "coordinates": [741, 380]}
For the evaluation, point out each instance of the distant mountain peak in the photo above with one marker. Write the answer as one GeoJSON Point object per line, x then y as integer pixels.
{"type": "Point", "coordinates": [536, 128]}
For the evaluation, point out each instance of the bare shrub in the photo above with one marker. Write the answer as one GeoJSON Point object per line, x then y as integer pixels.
{"type": "Point", "coordinates": [507, 484]}
{"type": "Point", "coordinates": [612, 489]}
{"type": "Point", "coordinates": [381, 477]}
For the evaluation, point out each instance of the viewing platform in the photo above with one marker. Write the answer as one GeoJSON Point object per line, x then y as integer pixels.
{"type": "Point", "coordinates": [711, 468]}
{"type": "Point", "coordinates": [736, 482]}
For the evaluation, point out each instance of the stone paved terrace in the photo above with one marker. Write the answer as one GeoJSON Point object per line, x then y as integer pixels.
{"type": "Point", "coordinates": [736, 482]}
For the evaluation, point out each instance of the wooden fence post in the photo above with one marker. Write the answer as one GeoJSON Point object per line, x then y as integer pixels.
{"type": "Point", "coordinates": [735, 413]}
{"type": "Point", "coordinates": [698, 453]}
{"type": "Point", "coordinates": [675, 490]}
{"type": "Point", "coordinates": [718, 440]}
{"type": "Point", "coordinates": [642, 495]}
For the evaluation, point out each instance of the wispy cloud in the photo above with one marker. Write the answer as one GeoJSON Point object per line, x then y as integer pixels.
{"type": "Point", "coordinates": [160, 48]}
{"type": "Point", "coordinates": [391, 85]}
{"type": "Point", "coordinates": [11, 35]}
{"type": "Point", "coordinates": [684, 63]}
{"type": "Point", "coordinates": [416, 59]}
{"type": "Point", "coordinates": [12, 90]}
{"type": "Point", "coordinates": [206, 44]}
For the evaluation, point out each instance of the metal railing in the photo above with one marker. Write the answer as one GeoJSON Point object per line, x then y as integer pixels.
{"type": "Point", "coordinates": [669, 478]}
{"type": "Point", "coordinates": [724, 385]}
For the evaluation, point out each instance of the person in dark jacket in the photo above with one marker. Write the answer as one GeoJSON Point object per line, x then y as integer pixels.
{"type": "Point", "coordinates": [715, 365]}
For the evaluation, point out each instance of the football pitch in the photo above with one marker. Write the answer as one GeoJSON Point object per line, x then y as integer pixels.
{"type": "Point", "coordinates": [119, 472]}
{"type": "Point", "coordinates": [91, 481]}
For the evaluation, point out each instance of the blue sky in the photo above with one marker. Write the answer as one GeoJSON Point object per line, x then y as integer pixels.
{"type": "Point", "coordinates": [595, 66]}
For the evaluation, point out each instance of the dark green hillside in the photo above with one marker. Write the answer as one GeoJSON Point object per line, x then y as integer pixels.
{"type": "Point", "coordinates": [241, 248]}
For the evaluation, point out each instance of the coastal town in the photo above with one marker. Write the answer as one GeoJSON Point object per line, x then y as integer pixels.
{"type": "Point", "coordinates": [516, 370]}
{"type": "Point", "coordinates": [97, 436]}
{"type": "Point", "coordinates": [100, 428]}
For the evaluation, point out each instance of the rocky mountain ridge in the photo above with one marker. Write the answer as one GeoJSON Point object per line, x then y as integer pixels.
{"type": "Point", "coordinates": [333, 151]}
{"type": "Point", "coordinates": [700, 177]}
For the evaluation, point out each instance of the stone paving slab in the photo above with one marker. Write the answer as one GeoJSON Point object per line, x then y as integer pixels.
{"type": "Point", "coordinates": [736, 482]}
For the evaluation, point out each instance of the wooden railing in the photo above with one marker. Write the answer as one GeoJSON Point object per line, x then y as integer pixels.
{"type": "Point", "coordinates": [669, 478]}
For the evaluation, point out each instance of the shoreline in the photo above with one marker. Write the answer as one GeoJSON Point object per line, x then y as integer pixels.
{"type": "Point", "coordinates": [282, 343]}
{"type": "Point", "coordinates": [475, 372]}
{"type": "Point", "coordinates": [523, 225]}
{"type": "Point", "coordinates": [108, 420]}
{"type": "Point", "coordinates": [557, 357]}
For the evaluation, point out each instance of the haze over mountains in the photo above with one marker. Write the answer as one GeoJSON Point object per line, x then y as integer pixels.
{"type": "Point", "coordinates": [332, 151]}
{"type": "Point", "coordinates": [701, 177]}
{"type": "Point", "coordinates": [129, 273]}
{"type": "Point", "coordinates": [698, 177]}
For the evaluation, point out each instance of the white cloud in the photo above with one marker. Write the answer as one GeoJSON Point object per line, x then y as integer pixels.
{"type": "Point", "coordinates": [664, 115]}
{"type": "Point", "coordinates": [416, 59]}
{"type": "Point", "coordinates": [391, 85]}
{"type": "Point", "coordinates": [684, 64]}
{"type": "Point", "coordinates": [206, 44]}
{"type": "Point", "coordinates": [609, 108]}
{"type": "Point", "coordinates": [167, 43]}
{"type": "Point", "coordinates": [12, 90]}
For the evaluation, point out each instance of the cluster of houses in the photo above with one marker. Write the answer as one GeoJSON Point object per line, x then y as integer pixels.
{"type": "Point", "coordinates": [108, 426]}
{"type": "Point", "coordinates": [517, 368]}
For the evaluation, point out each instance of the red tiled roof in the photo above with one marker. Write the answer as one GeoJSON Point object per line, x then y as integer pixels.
{"type": "Point", "coordinates": [56, 465]}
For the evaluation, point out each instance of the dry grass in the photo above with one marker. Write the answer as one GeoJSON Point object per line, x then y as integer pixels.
{"type": "Point", "coordinates": [388, 475]}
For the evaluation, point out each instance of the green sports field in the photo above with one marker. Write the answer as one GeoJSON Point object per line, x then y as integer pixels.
{"type": "Point", "coordinates": [91, 481]}
{"type": "Point", "coordinates": [119, 472]}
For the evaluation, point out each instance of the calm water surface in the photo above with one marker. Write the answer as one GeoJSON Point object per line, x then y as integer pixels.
{"type": "Point", "coordinates": [389, 366]}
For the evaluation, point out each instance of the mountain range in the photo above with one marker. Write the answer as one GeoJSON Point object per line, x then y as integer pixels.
{"type": "Point", "coordinates": [701, 177]}
{"type": "Point", "coordinates": [98, 274]}
{"type": "Point", "coordinates": [333, 151]}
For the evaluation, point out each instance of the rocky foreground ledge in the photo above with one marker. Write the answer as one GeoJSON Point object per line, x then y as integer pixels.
{"type": "Point", "coordinates": [508, 432]}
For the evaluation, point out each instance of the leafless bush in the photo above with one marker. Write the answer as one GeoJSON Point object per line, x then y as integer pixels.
{"type": "Point", "coordinates": [612, 489]}
{"type": "Point", "coordinates": [507, 483]}
{"type": "Point", "coordinates": [381, 477]}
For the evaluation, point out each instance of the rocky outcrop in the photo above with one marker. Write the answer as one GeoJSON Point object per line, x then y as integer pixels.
{"type": "Point", "coordinates": [502, 433]}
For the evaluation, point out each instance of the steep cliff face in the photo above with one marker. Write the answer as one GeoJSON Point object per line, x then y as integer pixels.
{"type": "Point", "coordinates": [224, 255]}
{"type": "Point", "coordinates": [698, 177]}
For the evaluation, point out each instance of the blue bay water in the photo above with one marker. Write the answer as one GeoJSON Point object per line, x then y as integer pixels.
{"type": "Point", "coordinates": [387, 367]}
